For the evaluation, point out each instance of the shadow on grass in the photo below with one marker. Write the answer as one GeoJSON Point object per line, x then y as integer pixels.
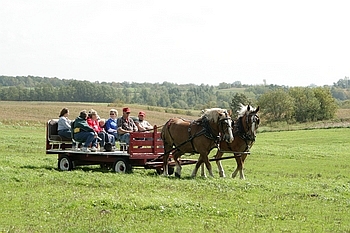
{"type": "Point", "coordinates": [82, 168]}
{"type": "Point", "coordinates": [173, 177]}
{"type": "Point", "coordinates": [87, 168]}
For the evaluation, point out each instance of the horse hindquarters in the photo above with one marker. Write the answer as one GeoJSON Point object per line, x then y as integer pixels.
{"type": "Point", "coordinates": [173, 127]}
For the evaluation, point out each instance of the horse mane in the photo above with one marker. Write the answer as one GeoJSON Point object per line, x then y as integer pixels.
{"type": "Point", "coordinates": [244, 110]}
{"type": "Point", "coordinates": [212, 113]}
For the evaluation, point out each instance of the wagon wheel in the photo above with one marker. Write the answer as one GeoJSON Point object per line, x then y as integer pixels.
{"type": "Point", "coordinates": [170, 170]}
{"type": "Point", "coordinates": [65, 163]}
{"type": "Point", "coordinates": [122, 166]}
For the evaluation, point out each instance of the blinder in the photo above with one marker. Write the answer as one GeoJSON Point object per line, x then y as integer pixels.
{"type": "Point", "coordinates": [226, 122]}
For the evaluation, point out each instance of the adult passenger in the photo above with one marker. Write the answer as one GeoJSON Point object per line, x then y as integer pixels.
{"type": "Point", "coordinates": [142, 124]}
{"type": "Point", "coordinates": [64, 128]}
{"type": "Point", "coordinates": [83, 132]}
{"type": "Point", "coordinates": [111, 125]}
{"type": "Point", "coordinates": [126, 125]}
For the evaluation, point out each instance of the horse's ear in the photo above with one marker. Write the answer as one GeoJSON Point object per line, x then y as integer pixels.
{"type": "Point", "coordinates": [230, 112]}
{"type": "Point", "coordinates": [248, 108]}
{"type": "Point", "coordinates": [257, 109]}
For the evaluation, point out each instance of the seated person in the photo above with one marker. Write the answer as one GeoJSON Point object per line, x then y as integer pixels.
{"type": "Point", "coordinates": [109, 137]}
{"type": "Point", "coordinates": [102, 123]}
{"type": "Point", "coordinates": [93, 122]}
{"type": "Point", "coordinates": [83, 132]}
{"type": "Point", "coordinates": [64, 128]}
{"type": "Point", "coordinates": [111, 123]}
{"type": "Point", "coordinates": [142, 124]}
{"type": "Point", "coordinates": [126, 125]}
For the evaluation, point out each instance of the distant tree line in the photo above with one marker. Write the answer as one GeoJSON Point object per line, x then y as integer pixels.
{"type": "Point", "coordinates": [278, 103]}
{"type": "Point", "coordinates": [170, 95]}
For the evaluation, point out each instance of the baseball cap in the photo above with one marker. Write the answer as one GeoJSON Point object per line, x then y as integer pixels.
{"type": "Point", "coordinates": [126, 109]}
{"type": "Point", "coordinates": [142, 113]}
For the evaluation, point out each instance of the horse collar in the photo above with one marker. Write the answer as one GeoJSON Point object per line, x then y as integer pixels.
{"type": "Point", "coordinates": [208, 131]}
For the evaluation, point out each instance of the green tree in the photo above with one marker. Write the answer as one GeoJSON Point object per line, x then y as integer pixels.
{"type": "Point", "coordinates": [278, 105]}
{"type": "Point", "coordinates": [328, 106]}
{"type": "Point", "coordinates": [237, 100]}
{"type": "Point", "coordinates": [306, 105]}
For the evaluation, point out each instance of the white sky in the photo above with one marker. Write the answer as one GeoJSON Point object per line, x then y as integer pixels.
{"type": "Point", "coordinates": [293, 43]}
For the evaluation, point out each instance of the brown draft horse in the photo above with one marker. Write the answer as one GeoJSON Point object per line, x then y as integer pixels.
{"type": "Point", "coordinates": [244, 131]}
{"type": "Point", "coordinates": [201, 136]}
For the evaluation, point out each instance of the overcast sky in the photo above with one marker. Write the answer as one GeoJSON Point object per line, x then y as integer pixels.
{"type": "Point", "coordinates": [292, 43]}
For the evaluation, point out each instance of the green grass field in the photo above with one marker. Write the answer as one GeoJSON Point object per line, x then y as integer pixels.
{"type": "Point", "coordinates": [297, 181]}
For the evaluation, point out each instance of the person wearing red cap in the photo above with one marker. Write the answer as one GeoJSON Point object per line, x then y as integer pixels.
{"type": "Point", "coordinates": [142, 124]}
{"type": "Point", "coordinates": [126, 125]}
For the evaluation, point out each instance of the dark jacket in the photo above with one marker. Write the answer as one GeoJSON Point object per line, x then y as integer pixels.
{"type": "Point", "coordinates": [80, 125]}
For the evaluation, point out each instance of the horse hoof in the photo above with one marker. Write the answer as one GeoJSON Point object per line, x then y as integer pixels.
{"type": "Point", "coordinates": [177, 175]}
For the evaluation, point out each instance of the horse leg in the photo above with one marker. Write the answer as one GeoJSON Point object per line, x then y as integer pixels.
{"type": "Point", "coordinates": [234, 173]}
{"type": "Point", "coordinates": [203, 171]}
{"type": "Point", "coordinates": [241, 172]}
{"type": "Point", "coordinates": [219, 164]}
{"type": "Point", "coordinates": [196, 167]}
{"type": "Point", "coordinates": [167, 150]}
{"type": "Point", "coordinates": [239, 168]}
{"type": "Point", "coordinates": [178, 167]}
{"type": "Point", "coordinates": [203, 159]}
{"type": "Point", "coordinates": [208, 165]}
{"type": "Point", "coordinates": [200, 161]}
{"type": "Point", "coordinates": [165, 165]}
{"type": "Point", "coordinates": [198, 164]}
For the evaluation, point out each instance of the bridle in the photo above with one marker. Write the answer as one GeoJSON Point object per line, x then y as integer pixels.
{"type": "Point", "coordinates": [252, 122]}
{"type": "Point", "coordinates": [226, 121]}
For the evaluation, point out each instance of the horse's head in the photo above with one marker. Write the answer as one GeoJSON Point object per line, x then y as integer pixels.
{"type": "Point", "coordinates": [225, 122]}
{"type": "Point", "coordinates": [222, 118]}
{"type": "Point", "coordinates": [250, 120]}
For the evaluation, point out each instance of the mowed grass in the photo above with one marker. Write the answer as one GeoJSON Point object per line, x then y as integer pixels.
{"type": "Point", "coordinates": [297, 181]}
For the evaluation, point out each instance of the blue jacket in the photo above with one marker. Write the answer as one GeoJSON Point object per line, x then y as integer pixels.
{"type": "Point", "coordinates": [111, 125]}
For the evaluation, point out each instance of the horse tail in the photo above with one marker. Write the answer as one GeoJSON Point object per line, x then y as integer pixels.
{"type": "Point", "coordinates": [165, 135]}
{"type": "Point", "coordinates": [162, 133]}
{"type": "Point", "coordinates": [167, 143]}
